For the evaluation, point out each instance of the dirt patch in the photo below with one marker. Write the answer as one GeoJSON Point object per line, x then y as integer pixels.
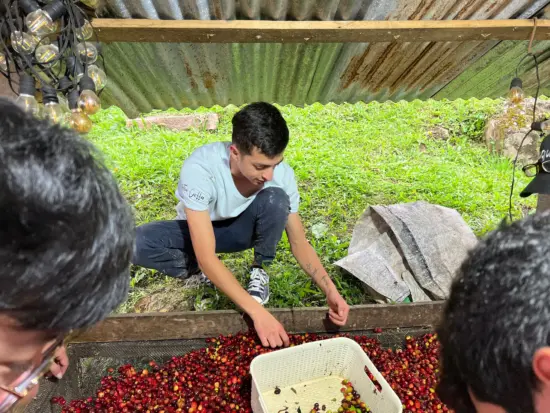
{"type": "Point", "coordinates": [439, 133]}
{"type": "Point", "coordinates": [208, 121]}
{"type": "Point", "coordinates": [165, 300]}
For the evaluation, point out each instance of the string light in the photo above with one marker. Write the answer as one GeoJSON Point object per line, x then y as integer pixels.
{"type": "Point", "coordinates": [516, 92]}
{"type": "Point", "coordinates": [48, 44]}
{"type": "Point", "coordinates": [52, 109]}
{"type": "Point", "coordinates": [23, 43]}
{"type": "Point", "coordinates": [3, 63]}
{"type": "Point", "coordinates": [88, 101]}
{"type": "Point", "coordinates": [26, 99]}
{"type": "Point", "coordinates": [77, 119]}
{"type": "Point", "coordinates": [86, 52]}
{"type": "Point", "coordinates": [98, 76]}
{"type": "Point", "coordinates": [83, 29]}
{"type": "Point", "coordinates": [42, 22]}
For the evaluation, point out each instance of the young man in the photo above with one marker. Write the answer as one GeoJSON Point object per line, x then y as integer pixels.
{"type": "Point", "coordinates": [236, 196]}
{"type": "Point", "coordinates": [495, 333]}
{"type": "Point", "coordinates": [66, 238]}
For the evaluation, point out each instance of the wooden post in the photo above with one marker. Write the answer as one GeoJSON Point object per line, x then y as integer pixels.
{"type": "Point", "coordinates": [5, 90]}
{"type": "Point", "coordinates": [543, 203]}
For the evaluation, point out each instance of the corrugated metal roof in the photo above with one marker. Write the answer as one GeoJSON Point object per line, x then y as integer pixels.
{"type": "Point", "coordinates": [147, 76]}
{"type": "Point", "coordinates": [491, 75]}
{"type": "Point", "coordinates": [319, 9]}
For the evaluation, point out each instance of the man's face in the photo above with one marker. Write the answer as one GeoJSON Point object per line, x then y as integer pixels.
{"type": "Point", "coordinates": [20, 351]}
{"type": "Point", "coordinates": [256, 167]}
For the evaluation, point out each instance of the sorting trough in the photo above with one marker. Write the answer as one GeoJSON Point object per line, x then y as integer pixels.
{"type": "Point", "coordinates": [139, 338]}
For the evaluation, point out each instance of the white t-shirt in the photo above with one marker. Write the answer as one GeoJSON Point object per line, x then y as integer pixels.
{"type": "Point", "coordinates": [206, 183]}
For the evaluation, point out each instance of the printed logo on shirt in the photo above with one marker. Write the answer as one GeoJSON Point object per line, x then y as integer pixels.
{"type": "Point", "coordinates": [197, 195]}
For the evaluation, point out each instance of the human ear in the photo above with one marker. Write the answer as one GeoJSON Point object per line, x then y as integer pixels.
{"type": "Point", "coordinates": [234, 151]}
{"type": "Point", "coordinates": [541, 365]}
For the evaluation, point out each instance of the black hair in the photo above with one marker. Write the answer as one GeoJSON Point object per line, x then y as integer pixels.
{"type": "Point", "coordinates": [496, 318]}
{"type": "Point", "coordinates": [66, 232]}
{"type": "Point", "coordinates": [260, 125]}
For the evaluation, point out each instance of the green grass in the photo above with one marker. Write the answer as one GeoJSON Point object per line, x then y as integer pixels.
{"type": "Point", "coordinates": [346, 157]}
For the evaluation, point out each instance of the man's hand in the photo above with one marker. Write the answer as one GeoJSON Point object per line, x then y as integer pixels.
{"type": "Point", "coordinates": [309, 261]}
{"type": "Point", "coordinates": [338, 308]}
{"type": "Point", "coordinates": [270, 331]}
{"type": "Point", "coordinates": [60, 363]}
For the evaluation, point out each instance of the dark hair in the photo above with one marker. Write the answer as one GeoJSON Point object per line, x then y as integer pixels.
{"type": "Point", "coordinates": [497, 316]}
{"type": "Point", "coordinates": [260, 125]}
{"type": "Point", "coordinates": [66, 232]}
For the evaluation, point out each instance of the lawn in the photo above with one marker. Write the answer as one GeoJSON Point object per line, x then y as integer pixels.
{"type": "Point", "coordinates": [346, 157]}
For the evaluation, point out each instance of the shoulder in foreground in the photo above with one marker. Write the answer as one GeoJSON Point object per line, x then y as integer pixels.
{"type": "Point", "coordinates": [284, 171]}
{"type": "Point", "coordinates": [210, 151]}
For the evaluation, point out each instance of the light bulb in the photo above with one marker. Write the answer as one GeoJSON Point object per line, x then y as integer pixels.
{"type": "Point", "coordinates": [23, 43]}
{"type": "Point", "coordinates": [4, 63]}
{"type": "Point", "coordinates": [79, 121]}
{"type": "Point", "coordinates": [28, 103]}
{"type": "Point", "coordinates": [63, 103]}
{"type": "Point", "coordinates": [26, 99]}
{"type": "Point", "coordinates": [515, 94]}
{"type": "Point", "coordinates": [543, 126]}
{"type": "Point", "coordinates": [40, 23]}
{"type": "Point", "coordinates": [84, 32]}
{"type": "Point", "coordinates": [89, 102]}
{"type": "Point", "coordinates": [86, 53]}
{"type": "Point", "coordinates": [90, 3]}
{"type": "Point", "coordinates": [98, 76]}
{"type": "Point", "coordinates": [45, 55]}
{"type": "Point", "coordinates": [53, 112]}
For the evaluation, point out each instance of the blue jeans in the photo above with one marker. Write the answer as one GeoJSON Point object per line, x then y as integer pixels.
{"type": "Point", "coordinates": [166, 245]}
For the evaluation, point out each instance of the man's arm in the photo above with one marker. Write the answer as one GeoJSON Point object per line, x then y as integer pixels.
{"type": "Point", "coordinates": [270, 331]}
{"type": "Point", "coordinates": [311, 264]}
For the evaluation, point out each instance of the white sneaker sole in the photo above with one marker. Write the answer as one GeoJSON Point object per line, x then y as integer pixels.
{"type": "Point", "coordinates": [259, 300]}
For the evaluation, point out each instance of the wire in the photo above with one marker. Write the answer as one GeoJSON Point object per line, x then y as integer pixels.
{"type": "Point", "coordinates": [514, 175]}
{"type": "Point", "coordinates": [527, 134]}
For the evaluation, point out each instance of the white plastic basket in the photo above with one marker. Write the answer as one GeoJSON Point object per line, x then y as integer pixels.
{"type": "Point", "coordinates": [314, 372]}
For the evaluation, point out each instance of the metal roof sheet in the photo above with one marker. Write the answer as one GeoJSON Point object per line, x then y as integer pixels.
{"type": "Point", "coordinates": [147, 76]}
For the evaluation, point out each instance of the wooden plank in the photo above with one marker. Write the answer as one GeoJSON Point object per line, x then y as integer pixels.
{"type": "Point", "coordinates": [543, 203]}
{"type": "Point", "coordinates": [192, 324]}
{"type": "Point", "coordinates": [261, 31]}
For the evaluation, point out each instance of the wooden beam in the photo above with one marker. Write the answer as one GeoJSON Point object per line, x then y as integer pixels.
{"type": "Point", "coordinates": [193, 324]}
{"type": "Point", "coordinates": [254, 31]}
{"type": "Point", "coordinates": [543, 203]}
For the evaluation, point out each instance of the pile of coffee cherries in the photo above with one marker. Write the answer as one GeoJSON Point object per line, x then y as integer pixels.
{"type": "Point", "coordinates": [216, 378]}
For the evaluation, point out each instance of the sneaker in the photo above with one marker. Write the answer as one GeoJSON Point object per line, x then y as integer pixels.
{"type": "Point", "coordinates": [258, 287]}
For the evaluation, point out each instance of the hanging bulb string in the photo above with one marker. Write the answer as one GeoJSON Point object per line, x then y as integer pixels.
{"type": "Point", "coordinates": [527, 134]}
{"type": "Point", "coordinates": [535, 20]}
{"type": "Point", "coordinates": [8, 75]}
{"type": "Point", "coordinates": [10, 17]}
{"type": "Point", "coordinates": [19, 19]}
{"type": "Point", "coordinates": [102, 59]}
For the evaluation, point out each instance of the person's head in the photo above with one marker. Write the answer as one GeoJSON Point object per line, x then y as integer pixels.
{"type": "Point", "coordinates": [495, 332]}
{"type": "Point", "coordinates": [260, 136]}
{"type": "Point", "coordinates": [66, 237]}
